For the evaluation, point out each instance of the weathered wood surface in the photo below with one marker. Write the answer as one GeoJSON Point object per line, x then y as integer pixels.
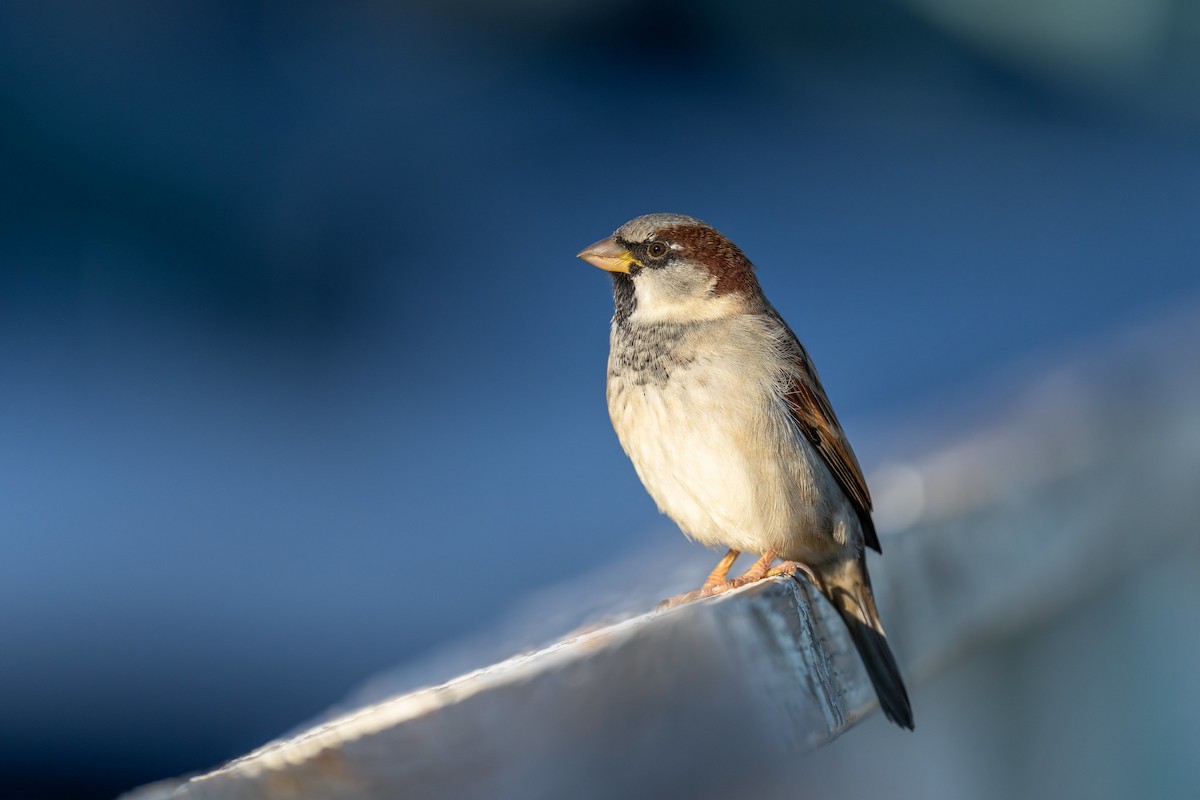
{"type": "Point", "coordinates": [1093, 470]}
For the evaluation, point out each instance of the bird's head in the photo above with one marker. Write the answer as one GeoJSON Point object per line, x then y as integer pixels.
{"type": "Point", "coordinates": [674, 268]}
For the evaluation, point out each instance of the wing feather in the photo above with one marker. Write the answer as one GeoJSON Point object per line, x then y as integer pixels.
{"type": "Point", "coordinates": [814, 416]}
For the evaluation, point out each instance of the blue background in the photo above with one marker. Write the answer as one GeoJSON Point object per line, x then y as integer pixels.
{"type": "Point", "coordinates": [292, 336]}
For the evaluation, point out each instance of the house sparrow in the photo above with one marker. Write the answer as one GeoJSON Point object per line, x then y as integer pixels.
{"type": "Point", "coordinates": [719, 407]}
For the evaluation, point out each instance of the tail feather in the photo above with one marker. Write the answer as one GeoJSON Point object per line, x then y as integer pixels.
{"type": "Point", "coordinates": [850, 592]}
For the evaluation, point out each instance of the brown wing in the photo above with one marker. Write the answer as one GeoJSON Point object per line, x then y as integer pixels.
{"type": "Point", "coordinates": [811, 410]}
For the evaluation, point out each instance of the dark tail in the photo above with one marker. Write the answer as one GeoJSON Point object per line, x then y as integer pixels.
{"type": "Point", "coordinates": [849, 589]}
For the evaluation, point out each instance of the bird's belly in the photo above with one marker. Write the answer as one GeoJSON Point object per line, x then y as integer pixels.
{"type": "Point", "coordinates": [726, 464]}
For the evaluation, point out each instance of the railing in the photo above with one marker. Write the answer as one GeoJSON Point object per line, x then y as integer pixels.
{"type": "Point", "coordinates": [1093, 471]}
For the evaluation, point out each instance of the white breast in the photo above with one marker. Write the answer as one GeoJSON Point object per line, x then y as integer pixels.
{"type": "Point", "coordinates": [714, 445]}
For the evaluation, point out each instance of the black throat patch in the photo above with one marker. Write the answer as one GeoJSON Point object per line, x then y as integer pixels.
{"type": "Point", "coordinates": [624, 301]}
{"type": "Point", "coordinates": [648, 354]}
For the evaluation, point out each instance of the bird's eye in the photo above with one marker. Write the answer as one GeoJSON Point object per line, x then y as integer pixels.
{"type": "Point", "coordinates": [657, 249]}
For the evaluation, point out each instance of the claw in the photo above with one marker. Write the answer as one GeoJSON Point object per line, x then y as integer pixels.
{"type": "Point", "coordinates": [790, 568]}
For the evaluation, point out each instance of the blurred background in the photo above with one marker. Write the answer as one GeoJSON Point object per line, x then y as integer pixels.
{"type": "Point", "coordinates": [300, 379]}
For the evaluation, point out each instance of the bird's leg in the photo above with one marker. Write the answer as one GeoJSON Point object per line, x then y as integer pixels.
{"type": "Point", "coordinates": [757, 571]}
{"type": "Point", "coordinates": [720, 573]}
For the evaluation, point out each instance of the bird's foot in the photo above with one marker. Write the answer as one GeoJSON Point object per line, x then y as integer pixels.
{"type": "Point", "coordinates": [680, 599]}
{"type": "Point", "coordinates": [720, 573]}
{"type": "Point", "coordinates": [716, 584]}
{"type": "Point", "coordinates": [790, 568]}
{"type": "Point", "coordinates": [708, 590]}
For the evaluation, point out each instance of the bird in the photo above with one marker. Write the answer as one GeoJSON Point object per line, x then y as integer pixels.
{"type": "Point", "coordinates": [717, 404]}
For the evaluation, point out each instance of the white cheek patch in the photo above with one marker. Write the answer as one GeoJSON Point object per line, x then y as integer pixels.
{"type": "Point", "coordinates": [679, 294]}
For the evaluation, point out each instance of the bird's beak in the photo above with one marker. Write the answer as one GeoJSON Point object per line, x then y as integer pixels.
{"type": "Point", "coordinates": [608, 255]}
